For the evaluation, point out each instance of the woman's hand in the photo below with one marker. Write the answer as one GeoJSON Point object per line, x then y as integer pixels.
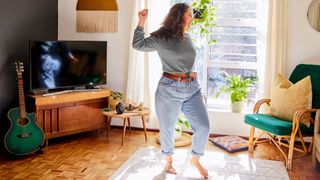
{"type": "Point", "coordinates": [142, 17]}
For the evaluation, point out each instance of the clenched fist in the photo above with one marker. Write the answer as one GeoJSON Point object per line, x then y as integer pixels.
{"type": "Point", "coordinates": [143, 15]}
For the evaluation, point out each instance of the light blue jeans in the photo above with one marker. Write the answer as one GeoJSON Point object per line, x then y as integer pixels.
{"type": "Point", "coordinates": [171, 98]}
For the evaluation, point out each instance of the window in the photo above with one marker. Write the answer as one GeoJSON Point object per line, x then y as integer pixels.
{"type": "Point", "coordinates": [235, 52]}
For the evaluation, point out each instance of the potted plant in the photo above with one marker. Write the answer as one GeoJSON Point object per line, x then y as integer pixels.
{"type": "Point", "coordinates": [238, 88]}
{"type": "Point", "coordinates": [182, 121]}
{"type": "Point", "coordinates": [204, 18]}
{"type": "Point", "coordinates": [114, 99]}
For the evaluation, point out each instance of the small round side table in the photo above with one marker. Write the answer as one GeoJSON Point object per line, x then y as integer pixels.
{"type": "Point", "coordinates": [126, 120]}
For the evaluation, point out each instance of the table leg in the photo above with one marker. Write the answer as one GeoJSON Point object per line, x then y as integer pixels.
{"type": "Point", "coordinates": [129, 123]}
{"type": "Point", "coordinates": [144, 127]}
{"type": "Point", "coordinates": [108, 125]}
{"type": "Point", "coordinates": [124, 129]}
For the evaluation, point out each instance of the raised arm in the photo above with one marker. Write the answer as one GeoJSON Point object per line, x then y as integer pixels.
{"type": "Point", "coordinates": [139, 41]}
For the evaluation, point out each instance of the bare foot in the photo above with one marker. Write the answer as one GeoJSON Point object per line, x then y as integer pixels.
{"type": "Point", "coordinates": [195, 162]}
{"type": "Point", "coordinates": [169, 167]}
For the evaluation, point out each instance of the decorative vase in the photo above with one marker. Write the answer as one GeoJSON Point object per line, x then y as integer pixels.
{"type": "Point", "coordinates": [130, 107]}
{"type": "Point", "coordinates": [141, 107]}
{"type": "Point", "coordinates": [120, 108]}
{"type": "Point", "coordinates": [237, 106]}
{"type": "Point", "coordinates": [177, 134]}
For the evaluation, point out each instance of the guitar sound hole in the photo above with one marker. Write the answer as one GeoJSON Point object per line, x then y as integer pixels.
{"type": "Point", "coordinates": [23, 121]}
{"type": "Point", "coordinates": [25, 135]}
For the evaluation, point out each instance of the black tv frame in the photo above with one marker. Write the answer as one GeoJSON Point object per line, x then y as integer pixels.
{"type": "Point", "coordinates": [64, 89]}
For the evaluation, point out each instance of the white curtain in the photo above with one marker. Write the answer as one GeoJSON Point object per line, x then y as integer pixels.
{"type": "Point", "coordinates": [136, 82]}
{"type": "Point", "coordinates": [276, 43]}
{"type": "Point", "coordinates": [144, 69]}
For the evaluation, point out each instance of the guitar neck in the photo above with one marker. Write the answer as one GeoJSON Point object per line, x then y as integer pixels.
{"type": "Point", "coordinates": [22, 105]}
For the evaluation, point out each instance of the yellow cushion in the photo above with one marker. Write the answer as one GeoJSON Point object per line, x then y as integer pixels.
{"type": "Point", "coordinates": [287, 98]}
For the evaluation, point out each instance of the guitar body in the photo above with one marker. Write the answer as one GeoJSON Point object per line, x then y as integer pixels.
{"type": "Point", "coordinates": [24, 136]}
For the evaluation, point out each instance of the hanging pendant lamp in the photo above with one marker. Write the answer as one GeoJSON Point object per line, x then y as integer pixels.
{"type": "Point", "coordinates": [97, 16]}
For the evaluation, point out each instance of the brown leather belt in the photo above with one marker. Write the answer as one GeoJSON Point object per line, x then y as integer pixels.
{"type": "Point", "coordinates": [181, 77]}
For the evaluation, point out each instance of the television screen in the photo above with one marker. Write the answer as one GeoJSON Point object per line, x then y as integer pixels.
{"type": "Point", "coordinates": [61, 64]}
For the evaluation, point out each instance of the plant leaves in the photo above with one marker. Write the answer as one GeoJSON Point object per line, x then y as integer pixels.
{"type": "Point", "coordinates": [207, 20]}
{"type": "Point", "coordinates": [237, 87]}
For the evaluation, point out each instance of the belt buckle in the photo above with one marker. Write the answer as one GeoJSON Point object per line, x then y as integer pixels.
{"type": "Point", "coordinates": [188, 78]}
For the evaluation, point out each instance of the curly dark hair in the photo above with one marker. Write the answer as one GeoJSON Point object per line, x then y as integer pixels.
{"type": "Point", "coordinates": [173, 25]}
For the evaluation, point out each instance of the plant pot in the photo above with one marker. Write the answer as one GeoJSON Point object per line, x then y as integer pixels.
{"type": "Point", "coordinates": [112, 103]}
{"type": "Point", "coordinates": [198, 13]}
{"type": "Point", "coordinates": [177, 134]}
{"type": "Point", "coordinates": [237, 106]}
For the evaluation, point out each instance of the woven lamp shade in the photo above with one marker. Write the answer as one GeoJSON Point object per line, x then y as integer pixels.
{"type": "Point", "coordinates": [97, 16]}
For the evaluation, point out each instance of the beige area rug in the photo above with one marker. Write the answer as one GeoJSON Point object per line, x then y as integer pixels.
{"type": "Point", "coordinates": [149, 164]}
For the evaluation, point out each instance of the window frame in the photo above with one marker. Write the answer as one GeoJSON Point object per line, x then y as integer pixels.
{"type": "Point", "coordinates": [208, 63]}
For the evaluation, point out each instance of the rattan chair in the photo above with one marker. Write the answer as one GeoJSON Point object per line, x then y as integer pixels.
{"type": "Point", "coordinates": [283, 133]}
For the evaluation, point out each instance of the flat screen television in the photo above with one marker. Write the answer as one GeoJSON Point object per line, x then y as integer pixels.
{"type": "Point", "coordinates": [64, 65]}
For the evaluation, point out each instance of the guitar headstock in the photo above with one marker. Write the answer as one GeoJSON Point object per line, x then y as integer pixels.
{"type": "Point", "coordinates": [18, 66]}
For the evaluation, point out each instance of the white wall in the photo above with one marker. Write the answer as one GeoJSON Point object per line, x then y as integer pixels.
{"type": "Point", "coordinates": [118, 43]}
{"type": "Point", "coordinates": [303, 41]}
{"type": "Point", "coordinates": [303, 45]}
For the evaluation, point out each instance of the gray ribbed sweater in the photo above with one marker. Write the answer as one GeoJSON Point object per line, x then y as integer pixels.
{"type": "Point", "coordinates": [177, 56]}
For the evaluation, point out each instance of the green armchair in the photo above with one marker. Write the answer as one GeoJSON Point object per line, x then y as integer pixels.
{"type": "Point", "coordinates": [283, 133]}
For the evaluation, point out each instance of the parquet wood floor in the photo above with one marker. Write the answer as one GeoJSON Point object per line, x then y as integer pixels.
{"type": "Point", "coordinates": [92, 156]}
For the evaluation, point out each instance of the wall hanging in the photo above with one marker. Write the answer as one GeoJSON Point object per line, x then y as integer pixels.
{"type": "Point", "coordinates": [97, 16]}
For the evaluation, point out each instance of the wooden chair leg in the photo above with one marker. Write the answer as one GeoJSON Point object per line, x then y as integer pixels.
{"type": "Point", "coordinates": [291, 148]}
{"type": "Point", "coordinates": [251, 145]}
{"type": "Point", "coordinates": [290, 154]}
{"type": "Point", "coordinates": [144, 128]}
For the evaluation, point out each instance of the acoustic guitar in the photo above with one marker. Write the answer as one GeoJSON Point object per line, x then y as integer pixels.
{"type": "Point", "coordinates": [24, 136]}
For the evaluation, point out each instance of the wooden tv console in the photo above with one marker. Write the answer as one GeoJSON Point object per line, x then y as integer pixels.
{"type": "Point", "coordinates": [69, 113]}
